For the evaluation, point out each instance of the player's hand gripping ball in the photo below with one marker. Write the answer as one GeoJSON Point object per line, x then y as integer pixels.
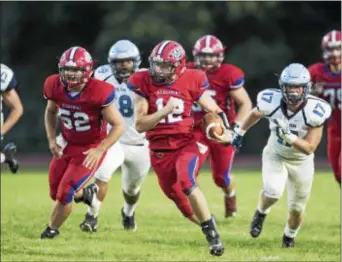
{"type": "Point", "coordinates": [212, 123]}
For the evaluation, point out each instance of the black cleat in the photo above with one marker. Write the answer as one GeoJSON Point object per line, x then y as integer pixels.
{"type": "Point", "coordinates": [128, 222]}
{"type": "Point", "coordinates": [288, 241]}
{"type": "Point", "coordinates": [89, 192]}
{"type": "Point", "coordinates": [49, 233]}
{"type": "Point", "coordinates": [89, 224]}
{"type": "Point", "coordinates": [256, 224]}
{"type": "Point", "coordinates": [10, 151]}
{"type": "Point", "coordinates": [216, 247]}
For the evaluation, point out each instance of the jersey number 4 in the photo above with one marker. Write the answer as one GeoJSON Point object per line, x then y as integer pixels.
{"type": "Point", "coordinates": [170, 118]}
{"type": "Point", "coordinates": [74, 120]}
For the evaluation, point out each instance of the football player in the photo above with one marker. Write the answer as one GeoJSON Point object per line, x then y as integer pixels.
{"type": "Point", "coordinates": [12, 100]}
{"type": "Point", "coordinates": [165, 95]}
{"type": "Point", "coordinates": [226, 87]}
{"type": "Point", "coordinates": [296, 123]}
{"type": "Point", "coordinates": [326, 77]}
{"type": "Point", "coordinates": [85, 106]}
{"type": "Point", "coordinates": [131, 153]}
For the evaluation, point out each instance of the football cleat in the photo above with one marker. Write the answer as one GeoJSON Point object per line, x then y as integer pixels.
{"type": "Point", "coordinates": [216, 247]}
{"type": "Point", "coordinates": [49, 233]}
{"type": "Point", "coordinates": [288, 241]}
{"type": "Point", "coordinates": [89, 192]}
{"type": "Point", "coordinates": [230, 206]}
{"type": "Point", "coordinates": [257, 223]}
{"type": "Point", "coordinates": [128, 222]}
{"type": "Point", "coordinates": [89, 224]}
{"type": "Point", "coordinates": [10, 151]}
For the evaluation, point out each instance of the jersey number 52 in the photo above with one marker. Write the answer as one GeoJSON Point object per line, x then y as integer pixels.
{"type": "Point", "coordinates": [74, 120]}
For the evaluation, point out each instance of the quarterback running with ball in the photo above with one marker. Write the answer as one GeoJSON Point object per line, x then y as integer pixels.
{"type": "Point", "coordinates": [296, 123]}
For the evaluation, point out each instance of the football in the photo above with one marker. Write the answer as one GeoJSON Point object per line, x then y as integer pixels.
{"type": "Point", "coordinates": [212, 123]}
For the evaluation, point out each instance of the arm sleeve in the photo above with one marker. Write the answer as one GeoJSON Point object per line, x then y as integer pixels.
{"type": "Point", "coordinates": [319, 114]}
{"type": "Point", "coordinates": [201, 85]}
{"type": "Point", "coordinates": [136, 85]}
{"type": "Point", "coordinates": [268, 101]}
{"type": "Point", "coordinates": [237, 78]}
{"type": "Point", "coordinates": [109, 95]}
{"type": "Point", "coordinates": [47, 90]}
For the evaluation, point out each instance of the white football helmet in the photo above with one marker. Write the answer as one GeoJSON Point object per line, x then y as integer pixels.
{"type": "Point", "coordinates": [124, 50]}
{"type": "Point", "coordinates": [295, 75]}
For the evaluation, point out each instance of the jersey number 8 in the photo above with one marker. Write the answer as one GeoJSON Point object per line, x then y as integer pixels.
{"type": "Point", "coordinates": [74, 120]}
{"type": "Point", "coordinates": [125, 104]}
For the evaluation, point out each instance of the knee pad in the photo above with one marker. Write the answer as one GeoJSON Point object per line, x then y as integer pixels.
{"type": "Point", "coordinates": [272, 192]}
{"type": "Point", "coordinates": [132, 190]}
{"type": "Point", "coordinates": [221, 182]}
{"type": "Point", "coordinates": [299, 203]}
{"type": "Point", "coordinates": [65, 194]}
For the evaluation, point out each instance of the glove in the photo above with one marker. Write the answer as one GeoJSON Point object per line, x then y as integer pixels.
{"type": "Point", "coordinates": [237, 138]}
{"type": "Point", "coordinates": [284, 131]}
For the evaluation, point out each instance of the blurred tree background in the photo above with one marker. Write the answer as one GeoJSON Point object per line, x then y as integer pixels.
{"type": "Point", "coordinates": [261, 38]}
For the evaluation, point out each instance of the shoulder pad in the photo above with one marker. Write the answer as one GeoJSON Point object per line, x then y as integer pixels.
{"type": "Point", "coordinates": [103, 72]}
{"type": "Point", "coordinates": [316, 111]}
{"type": "Point", "coordinates": [6, 77]}
{"type": "Point", "coordinates": [268, 101]}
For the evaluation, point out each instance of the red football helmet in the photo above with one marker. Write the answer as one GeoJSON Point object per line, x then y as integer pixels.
{"type": "Point", "coordinates": [167, 62]}
{"type": "Point", "coordinates": [331, 46]}
{"type": "Point", "coordinates": [208, 52]}
{"type": "Point", "coordinates": [75, 66]}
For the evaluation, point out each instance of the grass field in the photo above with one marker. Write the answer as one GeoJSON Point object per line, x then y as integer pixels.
{"type": "Point", "coordinates": [163, 234]}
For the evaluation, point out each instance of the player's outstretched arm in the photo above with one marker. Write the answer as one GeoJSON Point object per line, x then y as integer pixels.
{"type": "Point", "coordinates": [145, 122]}
{"type": "Point", "coordinates": [13, 101]}
{"type": "Point", "coordinates": [244, 103]}
{"type": "Point", "coordinates": [252, 118]}
{"type": "Point", "coordinates": [112, 115]}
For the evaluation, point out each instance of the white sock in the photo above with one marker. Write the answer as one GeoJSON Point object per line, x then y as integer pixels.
{"type": "Point", "coordinates": [266, 211]}
{"type": "Point", "coordinates": [231, 194]}
{"type": "Point", "coordinates": [289, 232]}
{"type": "Point", "coordinates": [3, 158]}
{"type": "Point", "coordinates": [94, 209]}
{"type": "Point", "coordinates": [129, 209]}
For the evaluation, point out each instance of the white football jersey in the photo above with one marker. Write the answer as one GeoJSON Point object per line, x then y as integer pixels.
{"type": "Point", "coordinates": [314, 112]}
{"type": "Point", "coordinates": [124, 101]}
{"type": "Point", "coordinates": [5, 85]}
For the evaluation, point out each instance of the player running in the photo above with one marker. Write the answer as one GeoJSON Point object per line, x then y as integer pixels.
{"type": "Point", "coordinates": [132, 152]}
{"type": "Point", "coordinates": [84, 106]}
{"type": "Point", "coordinates": [326, 77]}
{"type": "Point", "coordinates": [226, 87]}
{"type": "Point", "coordinates": [296, 124]}
{"type": "Point", "coordinates": [12, 100]}
{"type": "Point", "coordinates": [165, 95]}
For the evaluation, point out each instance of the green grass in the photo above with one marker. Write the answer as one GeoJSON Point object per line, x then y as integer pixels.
{"type": "Point", "coordinates": [163, 234]}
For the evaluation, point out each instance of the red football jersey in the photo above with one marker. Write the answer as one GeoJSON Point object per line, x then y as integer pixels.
{"type": "Point", "coordinates": [82, 122]}
{"type": "Point", "coordinates": [320, 72]}
{"type": "Point", "coordinates": [174, 131]}
{"type": "Point", "coordinates": [221, 82]}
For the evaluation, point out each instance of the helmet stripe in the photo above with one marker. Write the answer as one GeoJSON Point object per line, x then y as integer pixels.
{"type": "Point", "coordinates": [333, 37]}
{"type": "Point", "coordinates": [162, 47]}
{"type": "Point", "coordinates": [72, 53]}
{"type": "Point", "coordinates": [207, 41]}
